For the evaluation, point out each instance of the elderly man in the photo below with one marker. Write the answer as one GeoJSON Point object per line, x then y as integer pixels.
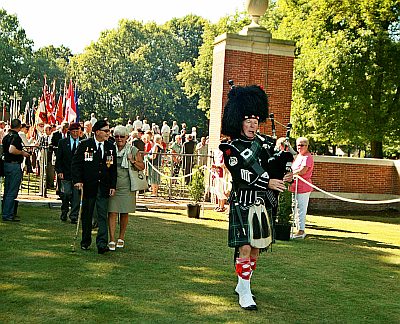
{"type": "Point", "coordinates": [87, 132]}
{"type": "Point", "coordinates": [70, 195]}
{"type": "Point", "coordinates": [188, 149]}
{"type": "Point", "coordinates": [202, 151]}
{"type": "Point", "coordinates": [165, 131]}
{"type": "Point", "coordinates": [94, 170]}
{"type": "Point", "coordinates": [137, 124]}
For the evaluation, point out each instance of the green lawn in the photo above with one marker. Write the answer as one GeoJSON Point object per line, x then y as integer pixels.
{"type": "Point", "coordinates": [176, 269]}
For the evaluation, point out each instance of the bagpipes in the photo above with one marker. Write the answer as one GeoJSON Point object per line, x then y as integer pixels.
{"type": "Point", "coordinates": [281, 161]}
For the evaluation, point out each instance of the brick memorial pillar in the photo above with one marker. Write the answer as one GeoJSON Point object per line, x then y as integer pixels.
{"type": "Point", "coordinates": [252, 57]}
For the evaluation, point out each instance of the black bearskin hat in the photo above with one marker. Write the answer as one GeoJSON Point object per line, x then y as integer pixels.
{"type": "Point", "coordinates": [243, 102]}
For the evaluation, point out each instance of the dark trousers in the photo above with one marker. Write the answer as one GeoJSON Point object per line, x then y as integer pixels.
{"type": "Point", "coordinates": [188, 164]}
{"type": "Point", "coordinates": [12, 181]}
{"type": "Point", "coordinates": [70, 196]}
{"type": "Point", "coordinates": [88, 206]}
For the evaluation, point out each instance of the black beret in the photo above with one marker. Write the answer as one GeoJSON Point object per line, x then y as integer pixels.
{"type": "Point", "coordinates": [99, 125]}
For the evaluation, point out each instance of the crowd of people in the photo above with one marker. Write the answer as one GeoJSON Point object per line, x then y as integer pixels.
{"type": "Point", "coordinates": [52, 151]}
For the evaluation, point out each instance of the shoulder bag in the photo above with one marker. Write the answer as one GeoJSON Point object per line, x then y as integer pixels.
{"type": "Point", "coordinates": [137, 178]}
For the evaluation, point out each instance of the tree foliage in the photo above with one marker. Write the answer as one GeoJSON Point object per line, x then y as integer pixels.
{"type": "Point", "coordinates": [15, 53]}
{"type": "Point", "coordinates": [131, 70]}
{"type": "Point", "coordinates": [346, 88]}
{"type": "Point", "coordinates": [196, 75]}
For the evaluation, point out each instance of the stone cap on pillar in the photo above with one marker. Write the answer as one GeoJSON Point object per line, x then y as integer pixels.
{"type": "Point", "coordinates": [255, 40]}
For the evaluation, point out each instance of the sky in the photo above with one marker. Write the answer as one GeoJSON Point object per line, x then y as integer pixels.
{"type": "Point", "coordinates": [76, 23]}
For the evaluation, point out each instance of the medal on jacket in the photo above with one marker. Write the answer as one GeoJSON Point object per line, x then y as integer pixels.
{"type": "Point", "coordinates": [88, 156]}
{"type": "Point", "coordinates": [109, 159]}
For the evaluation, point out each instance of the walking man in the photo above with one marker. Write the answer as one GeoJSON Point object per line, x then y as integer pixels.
{"type": "Point", "coordinates": [94, 170]}
{"type": "Point", "coordinates": [70, 194]}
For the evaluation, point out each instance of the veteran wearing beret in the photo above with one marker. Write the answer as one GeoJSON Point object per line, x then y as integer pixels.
{"type": "Point", "coordinates": [70, 194]}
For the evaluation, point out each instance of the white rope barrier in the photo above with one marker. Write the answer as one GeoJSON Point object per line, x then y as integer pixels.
{"type": "Point", "coordinates": [368, 202]}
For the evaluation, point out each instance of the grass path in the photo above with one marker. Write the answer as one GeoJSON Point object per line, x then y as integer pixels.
{"type": "Point", "coordinates": [176, 269]}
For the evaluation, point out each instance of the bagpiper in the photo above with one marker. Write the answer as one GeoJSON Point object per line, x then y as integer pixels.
{"type": "Point", "coordinates": [258, 173]}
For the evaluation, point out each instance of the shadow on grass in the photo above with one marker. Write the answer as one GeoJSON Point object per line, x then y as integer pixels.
{"type": "Point", "coordinates": [331, 229]}
{"type": "Point", "coordinates": [177, 271]}
{"type": "Point", "coordinates": [387, 217]}
{"type": "Point", "coordinates": [354, 242]}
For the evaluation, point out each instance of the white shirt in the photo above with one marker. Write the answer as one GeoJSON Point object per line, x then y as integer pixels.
{"type": "Point", "coordinates": [93, 120]}
{"type": "Point", "coordinates": [165, 129]}
{"type": "Point", "coordinates": [137, 124]}
{"type": "Point", "coordinates": [175, 129]}
{"type": "Point", "coordinates": [145, 127]}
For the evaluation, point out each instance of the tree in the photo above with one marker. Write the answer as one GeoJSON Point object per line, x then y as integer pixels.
{"type": "Point", "coordinates": [196, 76]}
{"type": "Point", "coordinates": [131, 70]}
{"type": "Point", "coordinates": [47, 61]}
{"type": "Point", "coordinates": [346, 71]}
{"type": "Point", "coordinates": [15, 53]}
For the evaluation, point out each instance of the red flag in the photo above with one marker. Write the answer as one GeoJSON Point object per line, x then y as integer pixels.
{"type": "Point", "coordinates": [41, 113]}
{"type": "Point", "coordinates": [60, 112]}
{"type": "Point", "coordinates": [70, 108]}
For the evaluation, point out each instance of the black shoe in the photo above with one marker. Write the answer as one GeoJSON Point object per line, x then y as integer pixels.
{"type": "Point", "coordinates": [63, 217]}
{"type": "Point", "coordinates": [250, 308]}
{"type": "Point", "coordinates": [102, 250]}
{"type": "Point", "coordinates": [11, 219]}
{"type": "Point", "coordinates": [84, 247]}
{"type": "Point", "coordinates": [74, 221]}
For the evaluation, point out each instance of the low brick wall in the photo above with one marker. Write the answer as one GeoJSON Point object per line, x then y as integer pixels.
{"type": "Point", "coordinates": [355, 178]}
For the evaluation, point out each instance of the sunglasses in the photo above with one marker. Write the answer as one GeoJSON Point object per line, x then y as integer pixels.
{"type": "Point", "coordinates": [119, 136]}
{"type": "Point", "coordinates": [301, 144]}
{"type": "Point", "coordinates": [105, 130]}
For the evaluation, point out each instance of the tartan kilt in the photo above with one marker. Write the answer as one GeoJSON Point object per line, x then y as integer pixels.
{"type": "Point", "coordinates": [236, 237]}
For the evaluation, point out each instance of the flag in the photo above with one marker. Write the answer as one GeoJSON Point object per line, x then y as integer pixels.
{"type": "Point", "coordinates": [26, 114]}
{"type": "Point", "coordinates": [60, 110]}
{"type": "Point", "coordinates": [77, 103]}
{"type": "Point", "coordinates": [41, 114]}
{"type": "Point", "coordinates": [49, 101]}
{"type": "Point", "coordinates": [70, 107]}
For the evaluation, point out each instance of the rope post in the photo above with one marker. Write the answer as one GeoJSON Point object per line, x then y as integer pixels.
{"type": "Point", "coordinates": [295, 212]}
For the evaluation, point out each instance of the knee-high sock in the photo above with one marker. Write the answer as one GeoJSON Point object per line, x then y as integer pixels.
{"type": "Point", "coordinates": [253, 265]}
{"type": "Point", "coordinates": [243, 270]}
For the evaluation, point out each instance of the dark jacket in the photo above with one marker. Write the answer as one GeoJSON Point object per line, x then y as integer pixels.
{"type": "Point", "coordinates": [55, 138]}
{"type": "Point", "coordinates": [64, 158]}
{"type": "Point", "coordinates": [139, 144]}
{"type": "Point", "coordinates": [92, 171]}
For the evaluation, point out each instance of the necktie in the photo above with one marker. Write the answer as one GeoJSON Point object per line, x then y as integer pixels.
{"type": "Point", "coordinates": [74, 147]}
{"type": "Point", "coordinates": [99, 151]}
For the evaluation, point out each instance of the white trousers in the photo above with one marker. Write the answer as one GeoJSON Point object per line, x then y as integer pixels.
{"type": "Point", "coordinates": [301, 211]}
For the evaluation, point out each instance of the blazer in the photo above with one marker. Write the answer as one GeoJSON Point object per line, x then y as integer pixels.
{"type": "Point", "coordinates": [55, 138]}
{"type": "Point", "coordinates": [95, 173]}
{"type": "Point", "coordinates": [64, 158]}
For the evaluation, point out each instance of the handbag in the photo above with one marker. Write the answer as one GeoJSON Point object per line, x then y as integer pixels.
{"type": "Point", "coordinates": [137, 178]}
